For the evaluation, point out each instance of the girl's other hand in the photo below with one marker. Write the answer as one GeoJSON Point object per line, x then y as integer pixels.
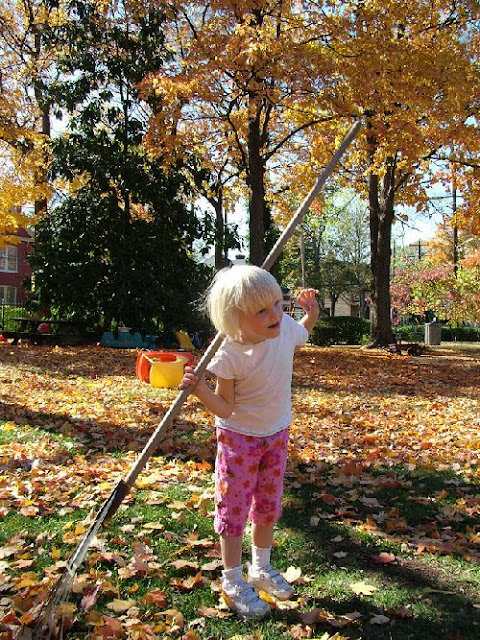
{"type": "Point", "coordinates": [307, 300]}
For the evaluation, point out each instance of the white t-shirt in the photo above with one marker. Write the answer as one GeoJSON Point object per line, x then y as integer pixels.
{"type": "Point", "coordinates": [263, 380]}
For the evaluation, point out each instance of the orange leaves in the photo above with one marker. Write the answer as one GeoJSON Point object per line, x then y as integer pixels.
{"type": "Point", "coordinates": [188, 584]}
{"type": "Point", "coordinates": [142, 563]}
{"type": "Point", "coordinates": [371, 433]}
{"type": "Point", "coordinates": [365, 416]}
{"type": "Point", "coordinates": [156, 598]}
{"type": "Point", "coordinates": [105, 627]}
{"type": "Point", "coordinates": [321, 615]}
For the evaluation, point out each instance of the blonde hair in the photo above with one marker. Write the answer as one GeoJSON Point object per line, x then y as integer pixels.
{"type": "Point", "coordinates": [240, 288]}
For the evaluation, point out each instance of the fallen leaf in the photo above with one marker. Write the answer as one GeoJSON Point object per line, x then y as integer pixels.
{"type": "Point", "coordinates": [120, 605]}
{"type": "Point", "coordinates": [156, 597]}
{"type": "Point", "coordinates": [213, 612]}
{"type": "Point", "coordinates": [384, 558]}
{"type": "Point", "coordinates": [363, 589]}
{"type": "Point", "coordinates": [379, 619]}
{"type": "Point", "coordinates": [292, 574]}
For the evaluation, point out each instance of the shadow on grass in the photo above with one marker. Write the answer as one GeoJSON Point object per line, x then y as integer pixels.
{"type": "Point", "coordinates": [425, 376]}
{"type": "Point", "coordinates": [107, 436]}
{"type": "Point", "coordinates": [424, 597]}
{"type": "Point", "coordinates": [64, 362]}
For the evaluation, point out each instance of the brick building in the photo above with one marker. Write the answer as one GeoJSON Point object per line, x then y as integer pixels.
{"type": "Point", "coordinates": [14, 266]}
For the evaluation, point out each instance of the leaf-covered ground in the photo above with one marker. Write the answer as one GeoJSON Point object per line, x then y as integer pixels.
{"type": "Point", "coordinates": [381, 529]}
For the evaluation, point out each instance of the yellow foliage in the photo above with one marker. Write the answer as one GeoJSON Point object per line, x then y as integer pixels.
{"type": "Point", "coordinates": [406, 68]}
{"type": "Point", "coordinates": [23, 145]}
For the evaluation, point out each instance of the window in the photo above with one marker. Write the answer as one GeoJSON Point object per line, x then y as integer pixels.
{"type": "Point", "coordinates": [8, 295]}
{"type": "Point", "coordinates": [9, 258]}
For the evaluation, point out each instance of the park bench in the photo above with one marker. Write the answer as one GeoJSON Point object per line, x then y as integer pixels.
{"type": "Point", "coordinates": [31, 336]}
{"type": "Point", "coordinates": [411, 348]}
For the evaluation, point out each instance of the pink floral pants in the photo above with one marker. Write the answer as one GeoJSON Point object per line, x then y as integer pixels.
{"type": "Point", "coordinates": [249, 473]}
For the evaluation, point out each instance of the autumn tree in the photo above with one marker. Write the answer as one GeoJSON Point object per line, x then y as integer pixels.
{"type": "Point", "coordinates": [240, 74]}
{"type": "Point", "coordinates": [410, 70]}
{"type": "Point", "coordinates": [425, 289]}
{"type": "Point", "coordinates": [249, 80]}
{"type": "Point", "coordinates": [443, 281]}
{"type": "Point", "coordinates": [25, 114]}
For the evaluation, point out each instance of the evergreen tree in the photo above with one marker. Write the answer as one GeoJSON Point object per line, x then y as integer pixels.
{"type": "Point", "coordinates": [119, 245]}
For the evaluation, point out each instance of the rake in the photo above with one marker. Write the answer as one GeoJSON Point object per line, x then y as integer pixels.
{"type": "Point", "coordinates": [45, 625]}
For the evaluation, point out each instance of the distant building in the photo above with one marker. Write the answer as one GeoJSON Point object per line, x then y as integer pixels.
{"type": "Point", "coordinates": [14, 266]}
{"type": "Point", "coordinates": [238, 259]}
{"type": "Point", "coordinates": [355, 305]}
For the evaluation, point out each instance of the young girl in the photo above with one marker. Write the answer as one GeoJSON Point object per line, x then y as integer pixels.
{"type": "Point", "coordinates": [252, 404]}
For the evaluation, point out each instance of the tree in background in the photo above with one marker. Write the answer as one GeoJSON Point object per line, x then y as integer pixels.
{"type": "Point", "coordinates": [262, 87]}
{"type": "Point", "coordinates": [26, 68]}
{"type": "Point", "coordinates": [240, 71]}
{"type": "Point", "coordinates": [251, 80]}
{"type": "Point", "coordinates": [410, 70]}
{"type": "Point", "coordinates": [123, 234]}
{"type": "Point", "coordinates": [335, 244]}
{"type": "Point", "coordinates": [452, 246]}
{"type": "Point", "coordinates": [435, 286]}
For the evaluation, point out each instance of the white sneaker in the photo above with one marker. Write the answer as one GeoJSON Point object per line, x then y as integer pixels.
{"type": "Point", "coordinates": [244, 599]}
{"type": "Point", "coordinates": [270, 580]}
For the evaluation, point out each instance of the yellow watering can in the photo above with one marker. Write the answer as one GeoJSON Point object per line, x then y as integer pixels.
{"type": "Point", "coordinates": [167, 370]}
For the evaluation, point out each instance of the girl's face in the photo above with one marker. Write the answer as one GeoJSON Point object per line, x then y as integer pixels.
{"type": "Point", "coordinates": [261, 324]}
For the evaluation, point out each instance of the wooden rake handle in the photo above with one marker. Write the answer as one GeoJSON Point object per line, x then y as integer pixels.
{"type": "Point", "coordinates": [152, 444]}
{"type": "Point", "coordinates": [43, 627]}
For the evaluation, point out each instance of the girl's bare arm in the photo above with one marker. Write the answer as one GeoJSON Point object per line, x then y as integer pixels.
{"type": "Point", "coordinates": [309, 303]}
{"type": "Point", "coordinates": [220, 402]}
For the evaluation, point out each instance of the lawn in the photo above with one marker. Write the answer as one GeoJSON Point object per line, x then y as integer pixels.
{"type": "Point", "coordinates": [381, 527]}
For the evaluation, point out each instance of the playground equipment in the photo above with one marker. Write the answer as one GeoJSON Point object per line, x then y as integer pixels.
{"type": "Point", "coordinates": [146, 359]}
{"type": "Point", "coordinates": [184, 340]}
{"type": "Point", "coordinates": [126, 340]}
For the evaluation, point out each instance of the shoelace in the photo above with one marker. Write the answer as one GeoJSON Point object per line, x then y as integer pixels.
{"type": "Point", "coordinates": [247, 592]}
{"type": "Point", "coordinates": [272, 573]}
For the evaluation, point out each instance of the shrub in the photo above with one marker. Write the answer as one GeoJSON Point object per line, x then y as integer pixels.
{"type": "Point", "coordinates": [340, 330]}
{"type": "Point", "coordinates": [416, 333]}
{"type": "Point", "coordinates": [410, 332]}
{"type": "Point", "coordinates": [460, 334]}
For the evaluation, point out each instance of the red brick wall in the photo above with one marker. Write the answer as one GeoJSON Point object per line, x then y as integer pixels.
{"type": "Point", "coordinates": [15, 279]}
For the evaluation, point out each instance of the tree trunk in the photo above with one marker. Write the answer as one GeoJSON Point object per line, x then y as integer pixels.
{"type": "Point", "coordinates": [381, 220]}
{"type": "Point", "coordinates": [333, 304]}
{"type": "Point", "coordinates": [220, 248]}
{"type": "Point", "coordinates": [40, 206]}
{"type": "Point", "coordinates": [256, 183]}
{"type": "Point", "coordinates": [381, 210]}
{"type": "Point", "coordinates": [43, 104]}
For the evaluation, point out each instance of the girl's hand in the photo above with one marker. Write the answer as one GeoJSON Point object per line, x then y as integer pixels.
{"type": "Point", "coordinates": [189, 378]}
{"type": "Point", "coordinates": [308, 301]}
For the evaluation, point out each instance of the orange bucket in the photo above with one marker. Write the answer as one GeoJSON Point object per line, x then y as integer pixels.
{"type": "Point", "coordinates": [167, 371]}
{"type": "Point", "coordinates": [145, 359]}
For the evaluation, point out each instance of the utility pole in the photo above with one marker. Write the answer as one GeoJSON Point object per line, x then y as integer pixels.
{"type": "Point", "coordinates": [455, 227]}
{"type": "Point", "coordinates": [302, 256]}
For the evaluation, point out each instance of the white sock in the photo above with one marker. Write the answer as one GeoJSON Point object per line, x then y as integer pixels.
{"type": "Point", "coordinates": [232, 577]}
{"type": "Point", "coordinates": [260, 557]}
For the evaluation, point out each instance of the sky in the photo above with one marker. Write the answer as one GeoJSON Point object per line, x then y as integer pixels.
{"type": "Point", "coordinates": [418, 228]}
